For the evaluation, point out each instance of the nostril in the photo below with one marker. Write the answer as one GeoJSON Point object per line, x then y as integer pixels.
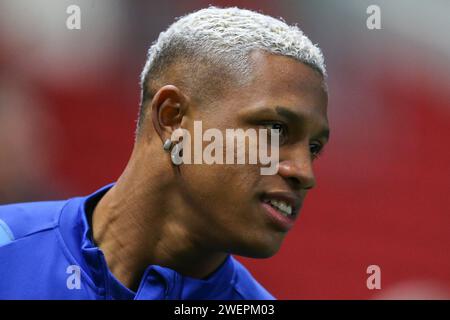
{"type": "Point", "coordinates": [297, 184]}
{"type": "Point", "coordinates": [297, 175]}
{"type": "Point", "coordinates": [294, 183]}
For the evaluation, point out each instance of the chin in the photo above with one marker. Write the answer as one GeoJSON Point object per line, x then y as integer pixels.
{"type": "Point", "coordinates": [259, 249]}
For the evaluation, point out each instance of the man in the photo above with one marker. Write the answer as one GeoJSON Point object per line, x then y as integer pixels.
{"type": "Point", "coordinates": [166, 229]}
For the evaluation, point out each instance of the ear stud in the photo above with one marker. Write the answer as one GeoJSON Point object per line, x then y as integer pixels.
{"type": "Point", "coordinates": [167, 145]}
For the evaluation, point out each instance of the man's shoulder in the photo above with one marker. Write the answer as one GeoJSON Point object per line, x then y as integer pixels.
{"type": "Point", "coordinates": [247, 286]}
{"type": "Point", "coordinates": [19, 220]}
{"type": "Point", "coordinates": [34, 258]}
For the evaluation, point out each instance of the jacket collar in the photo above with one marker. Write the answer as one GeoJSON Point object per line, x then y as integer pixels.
{"type": "Point", "coordinates": [157, 282]}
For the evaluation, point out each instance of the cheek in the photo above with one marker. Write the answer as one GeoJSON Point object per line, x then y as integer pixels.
{"type": "Point", "coordinates": [229, 187]}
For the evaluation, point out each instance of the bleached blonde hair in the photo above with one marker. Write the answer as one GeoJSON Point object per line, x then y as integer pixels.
{"type": "Point", "coordinates": [223, 38]}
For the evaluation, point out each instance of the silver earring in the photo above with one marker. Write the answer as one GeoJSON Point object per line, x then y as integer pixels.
{"type": "Point", "coordinates": [167, 145]}
{"type": "Point", "coordinates": [177, 159]}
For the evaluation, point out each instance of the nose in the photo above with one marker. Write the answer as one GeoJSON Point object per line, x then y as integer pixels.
{"type": "Point", "coordinates": [298, 172]}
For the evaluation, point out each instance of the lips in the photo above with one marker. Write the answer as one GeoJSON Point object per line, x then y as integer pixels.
{"type": "Point", "coordinates": [282, 208]}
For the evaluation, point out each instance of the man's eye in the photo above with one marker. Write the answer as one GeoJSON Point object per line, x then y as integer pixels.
{"type": "Point", "coordinates": [277, 127]}
{"type": "Point", "coordinates": [280, 129]}
{"type": "Point", "coordinates": [315, 149]}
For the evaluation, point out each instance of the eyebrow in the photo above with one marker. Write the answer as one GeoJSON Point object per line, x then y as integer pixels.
{"type": "Point", "coordinates": [286, 113]}
{"type": "Point", "coordinates": [290, 115]}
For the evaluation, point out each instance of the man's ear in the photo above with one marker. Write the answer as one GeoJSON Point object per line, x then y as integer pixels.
{"type": "Point", "coordinates": [168, 107]}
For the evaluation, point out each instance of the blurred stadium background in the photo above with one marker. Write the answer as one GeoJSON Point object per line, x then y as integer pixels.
{"type": "Point", "coordinates": [69, 101]}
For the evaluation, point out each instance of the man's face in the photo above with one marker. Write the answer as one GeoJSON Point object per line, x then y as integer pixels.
{"type": "Point", "coordinates": [234, 205]}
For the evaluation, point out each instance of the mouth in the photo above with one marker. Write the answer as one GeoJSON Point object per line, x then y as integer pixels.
{"type": "Point", "coordinates": [282, 209]}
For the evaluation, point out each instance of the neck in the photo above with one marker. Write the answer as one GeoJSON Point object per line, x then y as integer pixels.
{"type": "Point", "coordinates": [143, 220]}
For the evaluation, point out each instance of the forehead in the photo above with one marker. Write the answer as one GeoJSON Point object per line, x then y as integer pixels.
{"type": "Point", "coordinates": [276, 81]}
{"type": "Point", "coordinates": [279, 76]}
{"type": "Point", "coordinates": [279, 81]}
